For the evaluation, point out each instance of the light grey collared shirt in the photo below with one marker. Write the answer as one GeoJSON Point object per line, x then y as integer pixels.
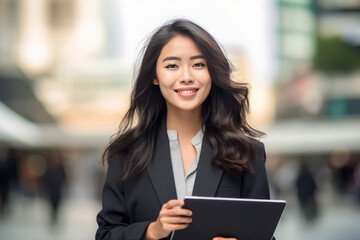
{"type": "Point", "coordinates": [184, 184]}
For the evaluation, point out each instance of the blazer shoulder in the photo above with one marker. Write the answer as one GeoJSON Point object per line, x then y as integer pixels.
{"type": "Point", "coordinates": [115, 165]}
{"type": "Point", "coordinates": [258, 145]}
{"type": "Point", "coordinates": [259, 153]}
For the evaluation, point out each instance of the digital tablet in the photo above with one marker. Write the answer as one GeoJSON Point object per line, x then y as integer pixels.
{"type": "Point", "coordinates": [241, 218]}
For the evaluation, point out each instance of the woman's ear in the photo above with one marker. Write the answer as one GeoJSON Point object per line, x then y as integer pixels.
{"type": "Point", "coordinates": [155, 81]}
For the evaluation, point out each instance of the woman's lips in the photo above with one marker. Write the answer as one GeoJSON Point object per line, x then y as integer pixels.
{"type": "Point", "coordinates": [186, 92]}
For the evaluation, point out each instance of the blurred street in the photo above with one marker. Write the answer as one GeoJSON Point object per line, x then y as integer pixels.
{"type": "Point", "coordinates": [338, 219]}
{"type": "Point", "coordinates": [29, 219]}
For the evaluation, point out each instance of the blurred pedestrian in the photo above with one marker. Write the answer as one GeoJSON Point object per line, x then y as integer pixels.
{"type": "Point", "coordinates": [306, 189]}
{"type": "Point", "coordinates": [54, 180]}
{"type": "Point", "coordinates": [5, 177]}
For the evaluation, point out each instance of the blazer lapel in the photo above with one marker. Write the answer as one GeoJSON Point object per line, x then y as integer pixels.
{"type": "Point", "coordinates": [160, 168]}
{"type": "Point", "coordinates": [208, 176]}
{"type": "Point", "coordinates": [161, 174]}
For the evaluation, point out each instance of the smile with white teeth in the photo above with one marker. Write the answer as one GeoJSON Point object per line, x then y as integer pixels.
{"type": "Point", "coordinates": [187, 91]}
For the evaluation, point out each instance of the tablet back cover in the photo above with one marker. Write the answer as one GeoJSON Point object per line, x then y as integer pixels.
{"type": "Point", "coordinates": [228, 217]}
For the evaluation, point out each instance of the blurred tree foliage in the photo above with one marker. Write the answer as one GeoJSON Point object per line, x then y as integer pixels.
{"type": "Point", "coordinates": [334, 55]}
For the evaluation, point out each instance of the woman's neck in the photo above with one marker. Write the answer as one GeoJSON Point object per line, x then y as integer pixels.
{"type": "Point", "coordinates": [184, 122]}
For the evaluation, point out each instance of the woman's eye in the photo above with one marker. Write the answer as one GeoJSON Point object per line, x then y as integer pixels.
{"type": "Point", "coordinates": [198, 65]}
{"type": "Point", "coordinates": [171, 66]}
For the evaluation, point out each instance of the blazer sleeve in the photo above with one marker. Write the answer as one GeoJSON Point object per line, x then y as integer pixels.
{"type": "Point", "coordinates": [113, 219]}
{"type": "Point", "coordinates": [255, 183]}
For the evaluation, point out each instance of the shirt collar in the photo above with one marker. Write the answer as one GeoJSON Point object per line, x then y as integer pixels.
{"type": "Point", "coordinates": [197, 139]}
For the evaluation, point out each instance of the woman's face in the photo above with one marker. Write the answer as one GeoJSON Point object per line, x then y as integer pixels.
{"type": "Point", "coordinates": [182, 75]}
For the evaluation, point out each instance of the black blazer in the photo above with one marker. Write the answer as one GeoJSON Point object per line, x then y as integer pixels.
{"type": "Point", "coordinates": [130, 206]}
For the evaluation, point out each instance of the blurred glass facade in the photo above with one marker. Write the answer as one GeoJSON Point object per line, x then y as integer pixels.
{"type": "Point", "coordinates": [65, 77]}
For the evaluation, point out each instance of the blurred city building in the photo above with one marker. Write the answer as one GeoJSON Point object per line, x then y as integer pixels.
{"type": "Point", "coordinates": [319, 70]}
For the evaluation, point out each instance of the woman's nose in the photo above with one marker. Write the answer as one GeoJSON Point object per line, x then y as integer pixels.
{"type": "Point", "coordinates": [186, 76]}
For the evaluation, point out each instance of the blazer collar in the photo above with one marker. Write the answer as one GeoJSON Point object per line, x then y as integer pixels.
{"type": "Point", "coordinates": [160, 168]}
{"type": "Point", "coordinates": [161, 173]}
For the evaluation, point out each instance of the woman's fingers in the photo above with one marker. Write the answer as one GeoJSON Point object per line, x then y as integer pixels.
{"type": "Point", "coordinates": [169, 227]}
{"type": "Point", "coordinates": [175, 212]}
{"type": "Point", "coordinates": [172, 213]}
{"type": "Point", "coordinates": [173, 203]}
{"type": "Point", "coordinates": [171, 217]}
{"type": "Point", "coordinates": [176, 220]}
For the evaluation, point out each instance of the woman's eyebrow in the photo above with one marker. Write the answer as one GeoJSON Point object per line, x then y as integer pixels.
{"type": "Point", "coordinates": [179, 59]}
{"type": "Point", "coordinates": [197, 57]}
{"type": "Point", "coordinates": [171, 58]}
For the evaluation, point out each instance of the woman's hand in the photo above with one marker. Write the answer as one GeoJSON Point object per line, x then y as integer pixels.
{"type": "Point", "coordinates": [221, 238]}
{"type": "Point", "coordinates": [171, 217]}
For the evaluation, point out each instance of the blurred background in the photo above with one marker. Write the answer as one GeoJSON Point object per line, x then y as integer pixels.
{"type": "Point", "coordinates": [66, 71]}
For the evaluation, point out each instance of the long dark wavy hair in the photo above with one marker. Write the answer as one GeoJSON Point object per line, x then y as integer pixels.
{"type": "Point", "coordinates": [224, 111]}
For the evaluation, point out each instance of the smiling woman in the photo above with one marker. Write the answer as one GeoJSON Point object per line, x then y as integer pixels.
{"type": "Point", "coordinates": [182, 75]}
{"type": "Point", "coordinates": [185, 133]}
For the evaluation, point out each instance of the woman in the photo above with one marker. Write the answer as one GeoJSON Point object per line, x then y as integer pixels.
{"type": "Point", "coordinates": [185, 133]}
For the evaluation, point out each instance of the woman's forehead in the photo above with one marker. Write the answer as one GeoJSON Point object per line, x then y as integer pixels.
{"type": "Point", "coordinates": [181, 47]}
